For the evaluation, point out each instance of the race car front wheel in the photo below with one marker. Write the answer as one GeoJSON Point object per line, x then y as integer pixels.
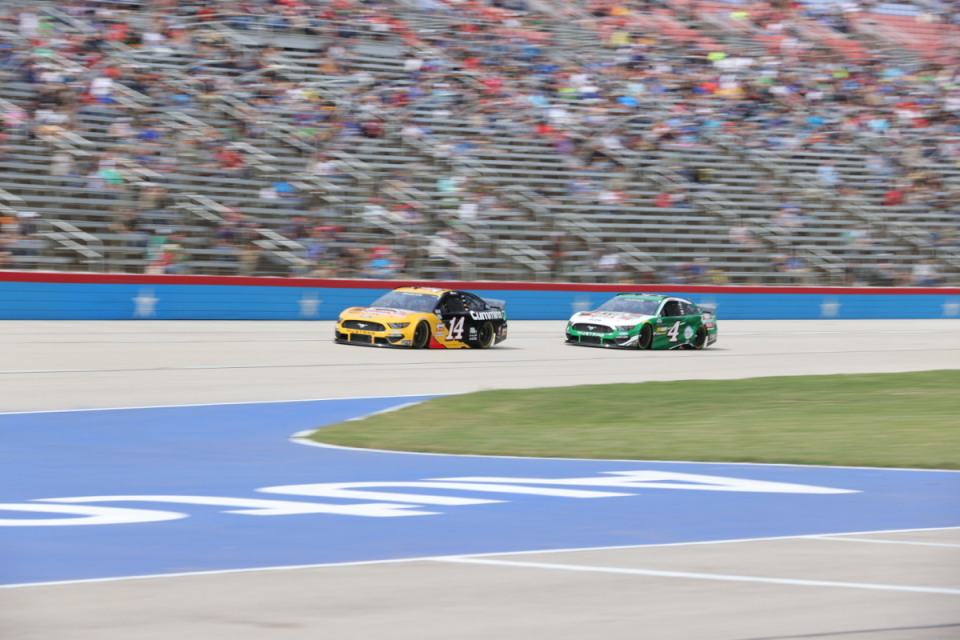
{"type": "Point", "coordinates": [701, 340]}
{"type": "Point", "coordinates": [486, 335]}
{"type": "Point", "coordinates": [645, 339]}
{"type": "Point", "coordinates": [421, 336]}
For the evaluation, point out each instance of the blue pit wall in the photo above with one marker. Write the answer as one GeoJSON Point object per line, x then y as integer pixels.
{"type": "Point", "coordinates": [89, 296]}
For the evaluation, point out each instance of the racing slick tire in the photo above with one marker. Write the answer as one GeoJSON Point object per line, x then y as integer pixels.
{"type": "Point", "coordinates": [645, 339]}
{"type": "Point", "coordinates": [700, 341]}
{"type": "Point", "coordinates": [421, 336]}
{"type": "Point", "coordinates": [486, 335]}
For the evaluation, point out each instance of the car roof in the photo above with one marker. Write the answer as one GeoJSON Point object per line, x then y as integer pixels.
{"type": "Point", "coordinates": [430, 291]}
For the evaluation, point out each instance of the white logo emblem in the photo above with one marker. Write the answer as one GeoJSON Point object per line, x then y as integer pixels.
{"type": "Point", "coordinates": [146, 304]}
{"type": "Point", "coordinates": [830, 308]}
{"type": "Point", "coordinates": [688, 333]}
{"type": "Point", "coordinates": [361, 324]}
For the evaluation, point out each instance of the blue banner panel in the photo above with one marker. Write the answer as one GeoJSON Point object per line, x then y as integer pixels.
{"type": "Point", "coordinates": [118, 297]}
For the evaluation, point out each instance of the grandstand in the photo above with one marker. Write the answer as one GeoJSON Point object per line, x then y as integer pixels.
{"type": "Point", "coordinates": [681, 141]}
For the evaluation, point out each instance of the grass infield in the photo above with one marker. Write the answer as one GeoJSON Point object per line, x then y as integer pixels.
{"type": "Point", "coordinates": [885, 420]}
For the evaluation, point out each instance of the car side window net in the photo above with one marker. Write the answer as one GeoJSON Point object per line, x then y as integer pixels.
{"type": "Point", "coordinates": [453, 304]}
{"type": "Point", "coordinates": [672, 308]}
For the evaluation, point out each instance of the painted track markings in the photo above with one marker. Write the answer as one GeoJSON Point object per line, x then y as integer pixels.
{"type": "Point", "coordinates": [910, 542]}
{"type": "Point", "coordinates": [699, 576]}
{"type": "Point", "coordinates": [460, 558]}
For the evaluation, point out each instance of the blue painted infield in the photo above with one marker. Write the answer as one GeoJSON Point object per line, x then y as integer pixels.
{"type": "Point", "coordinates": [230, 451]}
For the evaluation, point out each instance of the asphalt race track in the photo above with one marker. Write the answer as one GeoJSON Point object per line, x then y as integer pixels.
{"type": "Point", "coordinates": [136, 518]}
{"type": "Point", "coordinates": [75, 365]}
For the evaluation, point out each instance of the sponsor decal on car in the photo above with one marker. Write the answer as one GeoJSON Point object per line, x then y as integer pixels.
{"type": "Point", "coordinates": [688, 332]}
{"type": "Point", "coordinates": [495, 314]}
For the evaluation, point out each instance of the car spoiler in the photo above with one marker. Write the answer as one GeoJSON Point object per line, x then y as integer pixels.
{"type": "Point", "coordinates": [497, 304]}
{"type": "Point", "coordinates": [709, 308]}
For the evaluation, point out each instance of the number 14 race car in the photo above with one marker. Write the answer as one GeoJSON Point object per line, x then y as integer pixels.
{"type": "Point", "coordinates": [424, 318]}
{"type": "Point", "coordinates": [645, 321]}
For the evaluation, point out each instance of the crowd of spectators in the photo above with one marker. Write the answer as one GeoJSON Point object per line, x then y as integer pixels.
{"type": "Point", "coordinates": [500, 66]}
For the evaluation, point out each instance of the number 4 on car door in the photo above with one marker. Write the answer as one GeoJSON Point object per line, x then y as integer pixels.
{"type": "Point", "coordinates": [674, 331]}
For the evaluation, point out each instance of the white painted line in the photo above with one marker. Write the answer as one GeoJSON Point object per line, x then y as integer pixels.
{"type": "Point", "coordinates": [375, 413]}
{"type": "Point", "coordinates": [699, 576]}
{"type": "Point", "coordinates": [297, 439]}
{"type": "Point", "coordinates": [910, 542]}
{"type": "Point", "coordinates": [300, 437]}
{"type": "Point", "coordinates": [221, 404]}
{"type": "Point", "coordinates": [437, 558]}
{"type": "Point", "coordinates": [694, 544]}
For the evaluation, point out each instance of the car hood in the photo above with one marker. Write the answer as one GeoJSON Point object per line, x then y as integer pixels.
{"type": "Point", "coordinates": [609, 318]}
{"type": "Point", "coordinates": [376, 313]}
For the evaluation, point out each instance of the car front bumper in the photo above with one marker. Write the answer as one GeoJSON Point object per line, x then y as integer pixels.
{"type": "Point", "coordinates": [608, 341]}
{"type": "Point", "coordinates": [373, 339]}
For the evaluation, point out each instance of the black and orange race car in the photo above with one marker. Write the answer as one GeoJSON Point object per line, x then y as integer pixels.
{"type": "Point", "coordinates": [425, 318]}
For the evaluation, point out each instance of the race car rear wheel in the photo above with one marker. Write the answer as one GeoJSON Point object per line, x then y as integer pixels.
{"type": "Point", "coordinates": [486, 335]}
{"type": "Point", "coordinates": [700, 341]}
{"type": "Point", "coordinates": [645, 339]}
{"type": "Point", "coordinates": [421, 336]}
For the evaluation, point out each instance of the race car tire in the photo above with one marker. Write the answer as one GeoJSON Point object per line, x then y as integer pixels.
{"type": "Point", "coordinates": [645, 339]}
{"type": "Point", "coordinates": [486, 335]}
{"type": "Point", "coordinates": [421, 336]}
{"type": "Point", "coordinates": [700, 341]}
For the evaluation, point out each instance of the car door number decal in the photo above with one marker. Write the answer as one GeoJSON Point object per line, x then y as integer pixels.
{"type": "Point", "coordinates": [674, 331]}
{"type": "Point", "coordinates": [456, 329]}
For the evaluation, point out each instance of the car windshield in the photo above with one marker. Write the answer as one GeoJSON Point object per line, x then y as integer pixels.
{"type": "Point", "coordinates": [407, 301]}
{"type": "Point", "coordinates": [631, 305]}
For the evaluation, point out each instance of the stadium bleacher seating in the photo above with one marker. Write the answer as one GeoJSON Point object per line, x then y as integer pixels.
{"type": "Point", "coordinates": [524, 141]}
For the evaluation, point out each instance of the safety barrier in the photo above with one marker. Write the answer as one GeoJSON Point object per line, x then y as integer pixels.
{"type": "Point", "coordinates": [76, 296]}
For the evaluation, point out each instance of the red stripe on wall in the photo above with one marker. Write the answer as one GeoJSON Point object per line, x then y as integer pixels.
{"type": "Point", "coordinates": [234, 281]}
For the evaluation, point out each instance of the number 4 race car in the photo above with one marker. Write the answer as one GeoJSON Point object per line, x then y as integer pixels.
{"type": "Point", "coordinates": [423, 318]}
{"type": "Point", "coordinates": [645, 321]}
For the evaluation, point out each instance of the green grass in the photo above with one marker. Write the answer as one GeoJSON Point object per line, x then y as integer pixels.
{"type": "Point", "coordinates": [888, 420]}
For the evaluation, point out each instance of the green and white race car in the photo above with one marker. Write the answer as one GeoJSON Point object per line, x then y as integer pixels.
{"type": "Point", "coordinates": [645, 321]}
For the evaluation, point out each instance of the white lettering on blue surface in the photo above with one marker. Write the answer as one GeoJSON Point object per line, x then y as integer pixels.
{"type": "Point", "coordinates": [394, 504]}
{"type": "Point", "coordinates": [83, 515]}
